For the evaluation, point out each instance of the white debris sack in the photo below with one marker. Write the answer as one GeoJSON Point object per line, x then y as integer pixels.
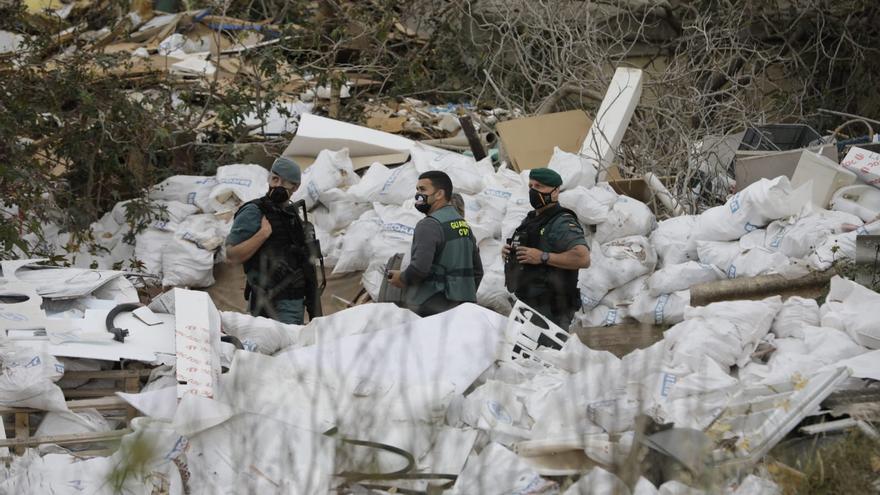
{"type": "Point", "coordinates": [259, 334]}
{"type": "Point", "coordinates": [170, 214]}
{"type": "Point", "coordinates": [189, 189]}
{"type": "Point", "coordinates": [840, 247]}
{"type": "Point", "coordinates": [682, 276]}
{"type": "Point", "coordinates": [185, 264]}
{"type": "Point", "coordinates": [575, 170]}
{"type": "Point", "coordinates": [239, 183]}
{"type": "Point", "coordinates": [625, 294]}
{"type": "Point", "coordinates": [399, 185]}
{"type": "Point", "coordinates": [614, 264]}
{"type": "Point", "coordinates": [757, 261]}
{"type": "Point", "coordinates": [598, 482]}
{"type": "Point", "coordinates": [591, 205]}
{"type": "Point", "coordinates": [754, 207]}
{"type": "Point", "coordinates": [627, 217]}
{"type": "Point", "coordinates": [69, 423]}
{"type": "Point", "coordinates": [398, 227]}
{"type": "Point", "coordinates": [468, 176]}
{"type": "Point", "coordinates": [851, 307]}
{"type": "Point", "coordinates": [356, 250]}
{"type": "Point", "coordinates": [719, 254]}
{"type": "Point", "coordinates": [517, 209]}
{"type": "Point", "coordinates": [148, 247]}
{"type": "Point", "coordinates": [27, 379]}
{"type": "Point", "coordinates": [671, 239]}
{"type": "Point", "coordinates": [796, 314]}
{"type": "Point", "coordinates": [331, 170]}
{"type": "Point", "coordinates": [367, 189]}
{"type": "Point", "coordinates": [204, 230]}
{"type": "Point", "coordinates": [492, 293]}
{"type": "Point", "coordinates": [342, 209]}
{"type": "Point", "coordinates": [661, 309]}
{"type": "Point", "coordinates": [601, 316]}
{"type": "Point", "coordinates": [797, 237]}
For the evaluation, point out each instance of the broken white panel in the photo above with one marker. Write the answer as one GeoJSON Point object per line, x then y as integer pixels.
{"type": "Point", "coordinates": [613, 118]}
{"type": "Point", "coordinates": [195, 65]}
{"type": "Point", "coordinates": [197, 339]}
{"type": "Point", "coordinates": [274, 121]}
{"type": "Point", "coordinates": [146, 315]}
{"type": "Point", "coordinates": [528, 331]}
{"type": "Point", "coordinates": [866, 365]}
{"type": "Point", "coordinates": [88, 338]}
{"type": "Point", "coordinates": [52, 282]}
{"type": "Point", "coordinates": [316, 134]}
{"type": "Point", "coordinates": [760, 417]}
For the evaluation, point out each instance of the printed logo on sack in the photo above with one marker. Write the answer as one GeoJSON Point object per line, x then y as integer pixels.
{"type": "Point", "coordinates": [77, 485]}
{"type": "Point", "coordinates": [658, 309]}
{"type": "Point", "coordinates": [498, 412]}
{"type": "Point", "coordinates": [749, 227]}
{"type": "Point", "coordinates": [313, 191]}
{"type": "Point", "coordinates": [667, 383]}
{"type": "Point", "coordinates": [390, 181]}
{"type": "Point", "coordinates": [175, 451]}
{"type": "Point", "coordinates": [399, 228]}
{"type": "Point", "coordinates": [10, 316]}
{"type": "Point", "coordinates": [734, 203]}
{"type": "Point", "coordinates": [778, 239]}
{"type": "Point", "coordinates": [610, 318]}
{"type": "Point", "coordinates": [237, 181]}
{"type": "Point", "coordinates": [731, 272]}
{"type": "Point", "coordinates": [862, 231]}
{"type": "Point", "coordinates": [498, 193]}
{"type": "Point", "coordinates": [588, 301]}
{"type": "Point", "coordinates": [59, 368]}
{"type": "Point", "coordinates": [34, 362]}
{"type": "Point", "coordinates": [189, 236]}
{"type": "Point", "coordinates": [191, 198]}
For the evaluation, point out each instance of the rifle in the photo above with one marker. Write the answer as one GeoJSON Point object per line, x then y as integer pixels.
{"type": "Point", "coordinates": [313, 249]}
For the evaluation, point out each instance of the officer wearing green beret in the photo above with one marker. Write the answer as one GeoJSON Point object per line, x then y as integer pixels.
{"type": "Point", "coordinates": [267, 237]}
{"type": "Point", "coordinates": [543, 256]}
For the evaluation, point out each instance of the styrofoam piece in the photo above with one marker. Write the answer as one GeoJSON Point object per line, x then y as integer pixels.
{"type": "Point", "coordinates": [316, 134]}
{"type": "Point", "coordinates": [197, 340]}
{"type": "Point", "coordinates": [864, 163]}
{"type": "Point", "coordinates": [613, 118]}
{"type": "Point", "coordinates": [826, 177]}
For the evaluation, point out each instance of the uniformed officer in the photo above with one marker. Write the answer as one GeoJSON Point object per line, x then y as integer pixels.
{"type": "Point", "coordinates": [445, 269]}
{"type": "Point", "coordinates": [550, 249]}
{"type": "Point", "coordinates": [267, 236]}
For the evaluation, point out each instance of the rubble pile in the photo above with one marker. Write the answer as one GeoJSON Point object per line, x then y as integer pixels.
{"type": "Point", "coordinates": [485, 398]}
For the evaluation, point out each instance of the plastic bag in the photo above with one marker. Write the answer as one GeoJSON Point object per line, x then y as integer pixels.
{"type": "Point", "coordinates": [614, 264]}
{"type": "Point", "coordinates": [188, 189]}
{"type": "Point", "coordinates": [28, 380]}
{"type": "Point", "coordinates": [356, 250]}
{"type": "Point", "coordinates": [661, 309]}
{"type": "Point", "coordinates": [719, 254]}
{"type": "Point", "coordinates": [204, 230]}
{"type": "Point", "coordinates": [148, 247]}
{"type": "Point", "coordinates": [798, 237]}
{"type": "Point", "coordinates": [184, 264]}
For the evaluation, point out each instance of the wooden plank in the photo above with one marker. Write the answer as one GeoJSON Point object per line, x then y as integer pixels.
{"type": "Point", "coordinates": [22, 432]}
{"type": "Point", "coordinates": [620, 340]}
{"type": "Point", "coordinates": [106, 374]}
{"type": "Point", "coordinates": [108, 403]}
{"type": "Point", "coordinates": [65, 439]}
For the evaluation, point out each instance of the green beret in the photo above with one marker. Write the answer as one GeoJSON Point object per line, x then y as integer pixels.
{"type": "Point", "coordinates": [287, 169]}
{"type": "Point", "coordinates": [546, 176]}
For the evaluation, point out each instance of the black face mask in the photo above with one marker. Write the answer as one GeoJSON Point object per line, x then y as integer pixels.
{"type": "Point", "coordinates": [278, 195]}
{"type": "Point", "coordinates": [538, 199]}
{"type": "Point", "coordinates": [422, 203]}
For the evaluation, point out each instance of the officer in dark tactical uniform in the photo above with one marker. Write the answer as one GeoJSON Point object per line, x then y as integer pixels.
{"type": "Point", "coordinates": [445, 269]}
{"type": "Point", "coordinates": [267, 236]}
{"type": "Point", "coordinates": [543, 256]}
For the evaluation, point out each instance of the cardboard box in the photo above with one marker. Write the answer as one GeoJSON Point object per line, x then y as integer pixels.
{"type": "Point", "coordinates": [529, 142]}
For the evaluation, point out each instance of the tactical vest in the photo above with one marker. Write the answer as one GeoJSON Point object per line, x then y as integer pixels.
{"type": "Point", "coordinates": [452, 270]}
{"type": "Point", "coordinates": [276, 269]}
{"type": "Point", "coordinates": [541, 284]}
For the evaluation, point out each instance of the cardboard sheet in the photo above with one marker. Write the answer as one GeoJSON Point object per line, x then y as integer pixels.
{"type": "Point", "coordinates": [197, 337]}
{"type": "Point", "coordinates": [529, 142]}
